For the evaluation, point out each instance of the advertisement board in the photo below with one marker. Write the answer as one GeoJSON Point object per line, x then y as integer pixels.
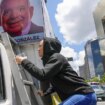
{"type": "Point", "coordinates": [22, 19]}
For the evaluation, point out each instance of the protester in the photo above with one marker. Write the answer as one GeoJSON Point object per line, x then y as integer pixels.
{"type": "Point", "coordinates": [64, 80]}
{"type": "Point", "coordinates": [16, 18]}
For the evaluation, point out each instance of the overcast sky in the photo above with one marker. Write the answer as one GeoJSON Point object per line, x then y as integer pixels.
{"type": "Point", "coordinates": [76, 25]}
{"type": "Point", "coordinates": [75, 19]}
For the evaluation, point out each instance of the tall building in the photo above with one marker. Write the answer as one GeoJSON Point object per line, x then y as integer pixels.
{"type": "Point", "coordinates": [99, 19]}
{"type": "Point", "coordinates": [84, 70]}
{"type": "Point", "coordinates": [95, 49]}
{"type": "Point", "coordinates": [94, 57]}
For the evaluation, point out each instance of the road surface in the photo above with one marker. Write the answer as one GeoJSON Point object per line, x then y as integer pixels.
{"type": "Point", "coordinates": [101, 103]}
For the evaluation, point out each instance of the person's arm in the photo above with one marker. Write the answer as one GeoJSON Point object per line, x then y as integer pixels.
{"type": "Point", "coordinates": [47, 92]}
{"type": "Point", "coordinates": [49, 71]}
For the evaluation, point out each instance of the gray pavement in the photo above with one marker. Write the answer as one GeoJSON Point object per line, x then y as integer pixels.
{"type": "Point", "coordinates": [101, 103]}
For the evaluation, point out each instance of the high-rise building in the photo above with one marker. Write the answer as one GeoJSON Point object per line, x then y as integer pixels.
{"type": "Point", "coordinates": [94, 57]}
{"type": "Point", "coordinates": [99, 19]}
{"type": "Point", "coordinates": [84, 70]}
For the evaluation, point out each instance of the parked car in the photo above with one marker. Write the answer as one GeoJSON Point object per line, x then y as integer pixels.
{"type": "Point", "coordinates": [100, 93]}
{"type": "Point", "coordinates": [103, 86]}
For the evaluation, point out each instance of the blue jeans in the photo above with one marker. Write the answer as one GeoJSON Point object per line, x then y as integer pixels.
{"type": "Point", "coordinates": [80, 99]}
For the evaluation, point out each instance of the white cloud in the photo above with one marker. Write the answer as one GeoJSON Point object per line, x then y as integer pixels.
{"type": "Point", "coordinates": [75, 19]}
{"type": "Point", "coordinates": [68, 52]}
{"type": "Point", "coordinates": [78, 58]}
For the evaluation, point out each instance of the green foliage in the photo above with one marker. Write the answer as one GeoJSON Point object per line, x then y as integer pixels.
{"type": "Point", "coordinates": [102, 80]}
{"type": "Point", "coordinates": [97, 79]}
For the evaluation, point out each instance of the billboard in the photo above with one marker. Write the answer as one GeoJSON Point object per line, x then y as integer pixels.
{"type": "Point", "coordinates": [22, 19]}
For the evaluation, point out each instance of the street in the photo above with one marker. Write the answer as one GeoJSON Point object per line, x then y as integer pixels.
{"type": "Point", "coordinates": [101, 103]}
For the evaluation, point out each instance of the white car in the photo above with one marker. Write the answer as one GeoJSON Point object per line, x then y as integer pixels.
{"type": "Point", "coordinates": [103, 86]}
{"type": "Point", "coordinates": [100, 93]}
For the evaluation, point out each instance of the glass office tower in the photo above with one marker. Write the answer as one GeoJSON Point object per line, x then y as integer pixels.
{"type": "Point", "coordinates": [95, 58]}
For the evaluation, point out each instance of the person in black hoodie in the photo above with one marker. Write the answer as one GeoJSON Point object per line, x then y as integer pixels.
{"type": "Point", "coordinates": [71, 88]}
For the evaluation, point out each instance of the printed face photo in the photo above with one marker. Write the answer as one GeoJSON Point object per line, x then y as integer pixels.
{"type": "Point", "coordinates": [16, 18]}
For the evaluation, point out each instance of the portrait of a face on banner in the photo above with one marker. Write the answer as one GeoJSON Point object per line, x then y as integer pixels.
{"type": "Point", "coordinates": [22, 19]}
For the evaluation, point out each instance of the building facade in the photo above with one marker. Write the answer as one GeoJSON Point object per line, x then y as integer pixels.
{"type": "Point", "coordinates": [84, 70]}
{"type": "Point", "coordinates": [99, 19]}
{"type": "Point", "coordinates": [94, 57]}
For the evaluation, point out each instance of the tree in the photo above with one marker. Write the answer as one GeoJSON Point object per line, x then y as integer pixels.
{"type": "Point", "coordinates": [102, 80]}
{"type": "Point", "coordinates": [97, 79]}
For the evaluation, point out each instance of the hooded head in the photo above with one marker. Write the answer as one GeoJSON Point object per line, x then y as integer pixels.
{"type": "Point", "coordinates": [50, 46]}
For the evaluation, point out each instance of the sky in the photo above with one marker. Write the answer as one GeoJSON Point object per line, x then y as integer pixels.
{"type": "Point", "coordinates": [73, 23]}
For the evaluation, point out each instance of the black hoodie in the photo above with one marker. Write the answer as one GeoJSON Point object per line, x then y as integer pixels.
{"type": "Point", "coordinates": [58, 71]}
{"type": "Point", "coordinates": [51, 46]}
